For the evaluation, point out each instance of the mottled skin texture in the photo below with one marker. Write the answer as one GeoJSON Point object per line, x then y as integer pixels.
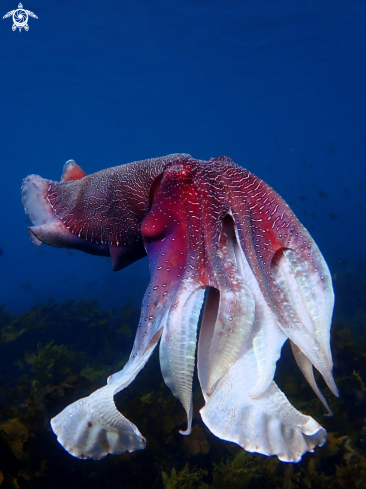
{"type": "Point", "coordinates": [206, 226]}
{"type": "Point", "coordinates": [106, 207]}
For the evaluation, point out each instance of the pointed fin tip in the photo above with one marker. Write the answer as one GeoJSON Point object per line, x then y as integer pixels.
{"type": "Point", "coordinates": [329, 380]}
{"type": "Point", "coordinates": [211, 387]}
{"type": "Point", "coordinates": [125, 254]}
{"type": "Point", "coordinates": [187, 431]}
{"type": "Point", "coordinates": [259, 388]}
{"type": "Point", "coordinates": [72, 171]}
{"type": "Point", "coordinates": [33, 237]}
{"type": "Point", "coordinates": [306, 368]}
{"type": "Point", "coordinates": [334, 388]}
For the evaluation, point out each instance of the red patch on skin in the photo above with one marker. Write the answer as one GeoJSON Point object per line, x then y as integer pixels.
{"type": "Point", "coordinates": [73, 173]}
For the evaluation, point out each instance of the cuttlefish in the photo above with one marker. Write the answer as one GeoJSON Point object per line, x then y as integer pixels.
{"type": "Point", "coordinates": [233, 273]}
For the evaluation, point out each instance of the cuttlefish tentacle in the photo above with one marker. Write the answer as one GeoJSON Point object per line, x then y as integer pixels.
{"type": "Point", "coordinates": [178, 347]}
{"type": "Point", "coordinates": [267, 336]}
{"type": "Point", "coordinates": [235, 315]}
{"type": "Point", "coordinates": [310, 304]}
{"type": "Point", "coordinates": [167, 227]}
{"type": "Point", "coordinates": [265, 226]}
{"type": "Point", "coordinates": [163, 293]}
{"type": "Point", "coordinates": [306, 368]}
{"type": "Point", "coordinates": [246, 406]}
{"type": "Point", "coordinates": [309, 290]}
{"type": "Point", "coordinates": [92, 427]}
{"type": "Point", "coordinates": [267, 424]}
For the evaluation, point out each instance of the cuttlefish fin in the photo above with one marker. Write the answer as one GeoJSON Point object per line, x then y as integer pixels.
{"type": "Point", "coordinates": [72, 171]}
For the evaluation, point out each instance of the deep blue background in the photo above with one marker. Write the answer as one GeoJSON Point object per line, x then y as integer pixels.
{"type": "Point", "coordinates": [279, 86]}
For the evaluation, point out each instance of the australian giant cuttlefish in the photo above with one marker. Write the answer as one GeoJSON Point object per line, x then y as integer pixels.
{"type": "Point", "coordinates": [218, 238]}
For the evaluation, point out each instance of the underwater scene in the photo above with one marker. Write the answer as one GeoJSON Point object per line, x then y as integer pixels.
{"type": "Point", "coordinates": [182, 253]}
{"type": "Point", "coordinates": [46, 364]}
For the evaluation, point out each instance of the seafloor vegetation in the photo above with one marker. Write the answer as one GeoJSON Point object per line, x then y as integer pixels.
{"type": "Point", "coordinates": [56, 353]}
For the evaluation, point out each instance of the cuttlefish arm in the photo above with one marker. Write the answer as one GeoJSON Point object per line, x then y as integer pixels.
{"type": "Point", "coordinates": [293, 296]}
{"type": "Point", "coordinates": [171, 234]}
{"type": "Point", "coordinates": [293, 276]}
{"type": "Point", "coordinates": [92, 427]}
{"type": "Point", "coordinates": [183, 226]}
{"type": "Point", "coordinates": [64, 214]}
{"type": "Point", "coordinates": [266, 423]}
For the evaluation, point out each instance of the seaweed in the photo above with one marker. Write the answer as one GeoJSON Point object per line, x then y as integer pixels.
{"type": "Point", "coordinates": [230, 473]}
{"type": "Point", "coordinates": [187, 478]}
{"type": "Point", "coordinates": [54, 354]}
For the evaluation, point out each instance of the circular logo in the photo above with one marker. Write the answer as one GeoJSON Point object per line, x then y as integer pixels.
{"type": "Point", "coordinates": [20, 18]}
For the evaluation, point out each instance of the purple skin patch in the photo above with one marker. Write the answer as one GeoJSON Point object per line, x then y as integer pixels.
{"type": "Point", "coordinates": [218, 238]}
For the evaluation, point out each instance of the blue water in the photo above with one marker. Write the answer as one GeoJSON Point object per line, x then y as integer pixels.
{"type": "Point", "coordinates": [279, 86]}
